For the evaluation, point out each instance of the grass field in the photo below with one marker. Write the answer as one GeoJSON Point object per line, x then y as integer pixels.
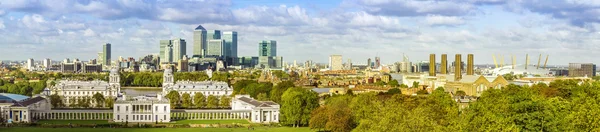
{"type": "Point", "coordinates": [258, 129]}
{"type": "Point", "coordinates": [211, 122]}
{"type": "Point", "coordinates": [73, 121]}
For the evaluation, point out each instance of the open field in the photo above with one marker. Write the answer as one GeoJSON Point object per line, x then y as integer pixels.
{"type": "Point", "coordinates": [211, 121]}
{"type": "Point", "coordinates": [73, 121]}
{"type": "Point", "coordinates": [257, 129]}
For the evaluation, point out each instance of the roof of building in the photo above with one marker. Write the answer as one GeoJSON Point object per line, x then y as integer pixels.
{"type": "Point", "coordinates": [256, 103]}
{"type": "Point", "coordinates": [199, 28]}
{"type": "Point", "coordinates": [321, 90]}
{"type": "Point", "coordinates": [203, 85]}
{"type": "Point", "coordinates": [7, 97]}
{"type": "Point", "coordinates": [29, 101]}
{"type": "Point", "coordinates": [89, 85]}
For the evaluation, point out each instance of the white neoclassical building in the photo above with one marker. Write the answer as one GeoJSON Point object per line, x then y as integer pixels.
{"type": "Point", "coordinates": [260, 111]}
{"type": "Point", "coordinates": [72, 90]}
{"type": "Point", "coordinates": [18, 108]}
{"type": "Point", "coordinates": [142, 109]}
{"type": "Point", "coordinates": [192, 87]}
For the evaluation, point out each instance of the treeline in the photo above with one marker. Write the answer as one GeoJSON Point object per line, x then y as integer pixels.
{"type": "Point", "coordinates": [83, 102]}
{"type": "Point", "coordinates": [262, 91]}
{"type": "Point", "coordinates": [23, 88]}
{"type": "Point", "coordinates": [155, 79]}
{"type": "Point", "coordinates": [199, 100]}
{"type": "Point", "coordinates": [560, 106]}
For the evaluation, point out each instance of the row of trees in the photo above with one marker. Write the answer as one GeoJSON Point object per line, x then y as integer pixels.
{"type": "Point", "coordinates": [262, 91]}
{"type": "Point", "coordinates": [199, 100]}
{"type": "Point", "coordinates": [155, 79]}
{"type": "Point", "coordinates": [83, 102]}
{"type": "Point", "coordinates": [560, 106]}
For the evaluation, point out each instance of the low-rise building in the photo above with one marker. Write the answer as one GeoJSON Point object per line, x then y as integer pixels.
{"type": "Point", "coordinates": [18, 108]}
{"type": "Point", "coordinates": [142, 109]}
{"type": "Point", "coordinates": [261, 111]}
{"type": "Point", "coordinates": [474, 85]}
{"type": "Point", "coordinates": [72, 90]}
{"type": "Point", "coordinates": [192, 87]}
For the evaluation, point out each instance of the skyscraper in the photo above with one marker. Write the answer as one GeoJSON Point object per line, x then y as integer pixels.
{"type": "Point", "coordinates": [335, 62]}
{"type": "Point", "coordinates": [106, 55]}
{"type": "Point", "coordinates": [215, 48]}
{"type": "Point", "coordinates": [30, 64]}
{"type": "Point", "coordinates": [213, 34]}
{"type": "Point", "coordinates": [369, 63]}
{"type": "Point", "coordinates": [179, 48]}
{"type": "Point", "coordinates": [199, 41]}
{"type": "Point", "coordinates": [230, 38]}
{"type": "Point", "coordinates": [431, 64]}
{"type": "Point", "coordinates": [267, 48]}
{"type": "Point", "coordinates": [444, 66]}
{"type": "Point", "coordinates": [470, 64]}
{"type": "Point", "coordinates": [168, 54]}
{"type": "Point", "coordinates": [164, 46]}
{"type": "Point", "coordinates": [377, 62]}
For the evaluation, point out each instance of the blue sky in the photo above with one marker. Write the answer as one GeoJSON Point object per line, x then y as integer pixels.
{"type": "Point", "coordinates": [308, 30]}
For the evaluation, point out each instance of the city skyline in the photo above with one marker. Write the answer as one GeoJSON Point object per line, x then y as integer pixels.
{"type": "Point", "coordinates": [306, 30]}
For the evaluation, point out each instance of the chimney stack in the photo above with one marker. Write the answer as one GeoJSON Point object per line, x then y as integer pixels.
{"type": "Point", "coordinates": [457, 67]}
{"type": "Point", "coordinates": [431, 64]}
{"type": "Point", "coordinates": [470, 64]}
{"type": "Point", "coordinates": [444, 66]}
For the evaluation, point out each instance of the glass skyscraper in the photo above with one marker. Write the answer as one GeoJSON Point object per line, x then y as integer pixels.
{"type": "Point", "coordinates": [230, 38]}
{"type": "Point", "coordinates": [199, 41]}
{"type": "Point", "coordinates": [106, 54]}
{"type": "Point", "coordinates": [267, 48]}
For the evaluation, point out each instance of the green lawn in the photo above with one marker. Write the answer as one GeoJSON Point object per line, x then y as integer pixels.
{"type": "Point", "coordinates": [257, 129]}
{"type": "Point", "coordinates": [211, 121]}
{"type": "Point", "coordinates": [73, 121]}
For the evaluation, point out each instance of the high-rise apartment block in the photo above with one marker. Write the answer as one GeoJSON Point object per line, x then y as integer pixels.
{"type": "Point", "coordinates": [335, 62]}
{"type": "Point", "coordinates": [267, 48]}
{"type": "Point", "coordinates": [582, 69]}
{"type": "Point", "coordinates": [30, 64]}
{"type": "Point", "coordinates": [47, 63]}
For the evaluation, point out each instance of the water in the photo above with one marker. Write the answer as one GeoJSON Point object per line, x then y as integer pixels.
{"type": "Point", "coordinates": [140, 92]}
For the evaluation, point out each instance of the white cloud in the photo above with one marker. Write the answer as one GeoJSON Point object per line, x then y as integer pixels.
{"type": "Point", "coordinates": [437, 20]}
{"type": "Point", "coordinates": [89, 33]}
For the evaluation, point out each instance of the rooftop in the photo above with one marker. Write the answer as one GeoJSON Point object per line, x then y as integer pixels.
{"type": "Point", "coordinates": [7, 97]}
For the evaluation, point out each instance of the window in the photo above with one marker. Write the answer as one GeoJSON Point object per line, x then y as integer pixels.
{"type": "Point", "coordinates": [118, 108]}
{"type": "Point", "coordinates": [156, 108]}
{"type": "Point", "coordinates": [165, 117]}
{"type": "Point", "coordinates": [118, 117]}
{"type": "Point", "coordinates": [165, 108]}
{"type": "Point", "coordinates": [126, 117]}
{"type": "Point", "coordinates": [126, 108]}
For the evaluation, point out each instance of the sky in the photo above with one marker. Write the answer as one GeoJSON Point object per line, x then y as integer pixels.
{"type": "Point", "coordinates": [565, 30]}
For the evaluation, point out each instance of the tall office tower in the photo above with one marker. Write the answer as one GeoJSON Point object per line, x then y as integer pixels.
{"type": "Point", "coordinates": [199, 41]}
{"type": "Point", "coordinates": [213, 34]}
{"type": "Point", "coordinates": [377, 62]}
{"type": "Point", "coordinates": [335, 62]}
{"type": "Point", "coordinates": [30, 64]}
{"type": "Point", "coordinates": [215, 47]}
{"type": "Point", "coordinates": [431, 64]}
{"type": "Point", "coordinates": [457, 67]}
{"type": "Point", "coordinates": [168, 55]}
{"type": "Point", "coordinates": [444, 66]}
{"type": "Point", "coordinates": [47, 63]}
{"type": "Point", "coordinates": [179, 48]}
{"type": "Point", "coordinates": [106, 55]}
{"type": "Point", "coordinates": [267, 48]}
{"type": "Point", "coordinates": [164, 46]}
{"type": "Point", "coordinates": [470, 64]}
{"type": "Point", "coordinates": [230, 38]}
{"type": "Point", "coordinates": [369, 63]}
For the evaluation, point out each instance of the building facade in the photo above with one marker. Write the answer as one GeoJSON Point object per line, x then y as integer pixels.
{"type": "Point", "coordinates": [165, 52]}
{"type": "Point", "coordinates": [582, 69]}
{"type": "Point", "coordinates": [142, 109]}
{"type": "Point", "coordinates": [191, 87]}
{"type": "Point", "coordinates": [261, 111]}
{"type": "Point", "coordinates": [106, 54]}
{"type": "Point", "coordinates": [71, 90]}
{"type": "Point", "coordinates": [179, 49]}
{"type": "Point", "coordinates": [267, 48]}
{"type": "Point", "coordinates": [230, 38]}
{"type": "Point", "coordinates": [335, 62]}
{"type": "Point", "coordinates": [18, 108]}
{"type": "Point", "coordinates": [215, 48]}
{"type": "Point", "coordinates": [199, 41]}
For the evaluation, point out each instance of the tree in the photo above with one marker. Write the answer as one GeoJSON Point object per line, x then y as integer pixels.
{"type": "Point", "coordinates": [212, 101]}
{"type": "Point", "coordinates": [83, 102]}
{"type": "Point", "coordinates": [186, 100]}
{"type": "Point", "coordinates": [394, 91]}
{"type": "Point", "coordinates": [279, 89]}
{"type": "Point", "coordinates": [99, 98]}
{"type": "Point", "coordinates": [394, 83]}
{"type": "Point", "coordinates": [403, 86]}
{"type": "Point", "coordinates": [318, 118]}
{"type": "Point", "coordinates": [199, 100]}
{"type": "Point", "coordinates": [225, 101]}
{"type": "Point", "coordinates": [415, 84]}
{"type": "Point", "coordinates": [56, 101]}
{"type": "Point", "coordinates": [174, 98]}
{"type": "Point", "coordinates": [297, 105]}
{"type": "Point", "coordinates": [262, 97]}
{"type": "Point", "coordinates": [110, 101]}
{"type": "Point", "coordinates": [460, 93]}
{"type": "Point", "coordinates": [422, 92]}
